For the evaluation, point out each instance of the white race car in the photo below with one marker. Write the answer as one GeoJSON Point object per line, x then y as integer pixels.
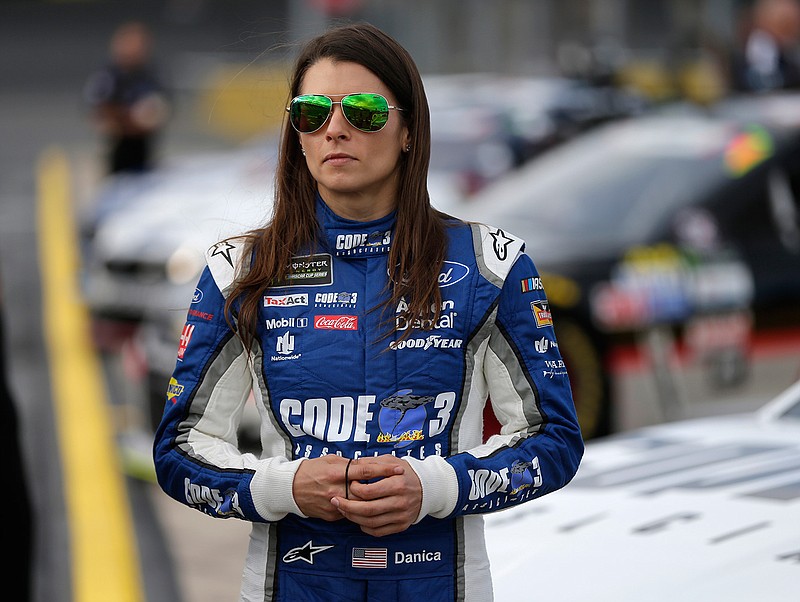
{"type": "Point", "coordinates": [706, 509]}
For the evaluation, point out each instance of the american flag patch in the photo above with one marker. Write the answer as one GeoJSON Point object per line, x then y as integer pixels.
{"type": "Point", "coordinates": [369, 558]}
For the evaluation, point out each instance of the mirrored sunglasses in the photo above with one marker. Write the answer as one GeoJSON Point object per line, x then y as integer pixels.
{"type": "Point", "coordinates": [365, 112]}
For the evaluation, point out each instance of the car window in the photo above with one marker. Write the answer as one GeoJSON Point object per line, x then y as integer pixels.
{"type": "Point", "coordinates": [596, 188]}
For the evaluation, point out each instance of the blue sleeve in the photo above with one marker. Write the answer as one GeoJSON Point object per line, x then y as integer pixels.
{"type": "Point", "coordinates": [539, 446]}
{"type": "Point", "coordinates": [196, 456]}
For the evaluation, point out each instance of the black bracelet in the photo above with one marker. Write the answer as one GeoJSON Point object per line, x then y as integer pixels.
{"type": "Point", "coordinates": [346, 480]}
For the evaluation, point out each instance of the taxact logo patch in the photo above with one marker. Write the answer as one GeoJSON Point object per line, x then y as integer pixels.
{"type": "Point", "coordinates": [285, 300]}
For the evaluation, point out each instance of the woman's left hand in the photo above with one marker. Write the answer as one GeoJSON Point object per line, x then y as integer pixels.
{"type": "Point", "coordinates": [388, 505]}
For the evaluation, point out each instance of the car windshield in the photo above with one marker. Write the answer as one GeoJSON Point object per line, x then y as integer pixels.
{"type": "Point", "coordinates": [793, 412]}
{"type": "Point", "coordinates": [620, 180]}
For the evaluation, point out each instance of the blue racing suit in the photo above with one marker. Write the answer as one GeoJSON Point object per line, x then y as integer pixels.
{"type": "Point", "coordinates": [326, 381]}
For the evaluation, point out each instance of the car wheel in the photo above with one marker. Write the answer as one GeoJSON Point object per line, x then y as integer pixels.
{"type": "Point", "coordinates": [590, 387]}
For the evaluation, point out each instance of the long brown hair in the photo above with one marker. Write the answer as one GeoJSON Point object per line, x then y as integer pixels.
{"type": "Point", "coordinates": [419, 242]}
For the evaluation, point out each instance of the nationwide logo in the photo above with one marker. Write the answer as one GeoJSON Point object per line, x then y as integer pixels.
{"type": "Point", "coordinates": [285, 344]}
{"type": "Point", "coordinates": [281, 323]}
{"type": "Point", "coordinates": [336, 322]}
{"type": "Point", "coordinates": [452, 273]}
{"type": "Point", "coordinates": [541, 312]}
{"type": "Point", "coordinates": [305, 553]}
{"type": "Point", "coordinates": [543, 344]}
{"type": "Point", "coordinates": [370, 558]}
{"type": "Point", "coordinates": [531, 284]}
{"type": "Point", "coordinates": [284, 347]}
{"type": "Point", "coordinates": [285, 300]}
{"type": "Point", "coordinates": [335, 299]}
{"type": "Point", "coordinates": [197, 296]}
{"type": "Point", "coordinates": [186, 336]}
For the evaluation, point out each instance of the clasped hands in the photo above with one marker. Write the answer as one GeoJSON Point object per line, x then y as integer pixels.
{"type": "Point", "coordinates": [382, 494]}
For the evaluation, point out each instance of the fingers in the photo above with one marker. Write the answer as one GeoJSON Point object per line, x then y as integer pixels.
{"type": "Point", "coordinates": [387, 505]}
{"type": "Point", "coordinates": [376, 518]}
{"type": "Point", "coordinates": [368, 470]}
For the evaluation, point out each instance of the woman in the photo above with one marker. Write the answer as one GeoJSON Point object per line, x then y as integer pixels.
{"type": "Point", "coordinates": [370, 328]}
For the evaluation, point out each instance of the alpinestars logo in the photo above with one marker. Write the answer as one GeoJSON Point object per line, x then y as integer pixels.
{"type": "Point", "coordinates": [500, 243]}
{"type": "Point", "coordinates": [305, 552]}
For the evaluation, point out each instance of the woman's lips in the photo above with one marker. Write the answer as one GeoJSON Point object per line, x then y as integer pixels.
{"type": "Point", "coordinates": [338, 158]}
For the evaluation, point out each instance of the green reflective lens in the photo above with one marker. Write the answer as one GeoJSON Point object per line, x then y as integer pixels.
{"type": "Point", "coordinates": [309, 112]}
{"type": "Point", "coordinates": [366, 112]}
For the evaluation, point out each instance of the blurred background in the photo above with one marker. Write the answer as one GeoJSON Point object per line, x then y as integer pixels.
{"type": "Point", "coordinates": [649, 153]}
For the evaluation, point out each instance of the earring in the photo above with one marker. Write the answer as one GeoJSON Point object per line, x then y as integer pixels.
{"type": "Point", "coordinates": [407, 148]}
{"type": "Point", "coordinates": [302, 150]}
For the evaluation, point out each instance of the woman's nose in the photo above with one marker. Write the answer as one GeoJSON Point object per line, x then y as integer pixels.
{"type": "Point", "coordinates": [338, 125]}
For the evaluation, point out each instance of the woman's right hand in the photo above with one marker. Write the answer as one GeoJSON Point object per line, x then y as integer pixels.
{"type": "Point", "coordinates": [316, 482]}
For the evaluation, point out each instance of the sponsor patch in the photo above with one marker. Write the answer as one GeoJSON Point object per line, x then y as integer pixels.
{"type": "Point", "coordinates": [201, 314]}
{"type": "Point", "coordinates": [335, 299]}
{"type": "Point", "coordinates": [541, 312]}
{"type": "Point", "coordinates": [305, 553]}
{"type": "Point", "coordinates": [531, 284]}
{"type": "Point", "coordinates": [452, 273]}
{"type": "Point", "coordinates": [500, 242]}
{"type": "Point", "coordinates": [186, 336]}
{"type": "Point", "coordinates": [174, 390]}
{"type": "Point", "coordinates": [336, 322]}
{"type": "Point", "coordinates": [280, 323]}
{"type": "Point", "coordinates": [285, 300]}
{"type": "Point", "coordinates": [223, 249]}
{"type": "Point", "coordinates": [308, 270]}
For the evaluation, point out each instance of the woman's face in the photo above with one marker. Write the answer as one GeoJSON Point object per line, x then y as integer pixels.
{"type": "Point", "coordinates": [356, 172]}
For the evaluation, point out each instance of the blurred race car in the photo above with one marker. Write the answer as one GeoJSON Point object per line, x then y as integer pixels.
{"type": "Point", "coordinates": [697, 510]}
{"type": "Point", "coordinates": [669, 246]}
{"type": "Point", "coordinates": [486, 124]}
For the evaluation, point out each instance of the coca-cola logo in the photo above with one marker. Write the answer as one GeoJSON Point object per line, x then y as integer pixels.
{"type": "Point", "coordinates": [336, 322]}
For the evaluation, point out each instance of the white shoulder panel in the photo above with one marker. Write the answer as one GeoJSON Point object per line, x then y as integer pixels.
{"type": "Point", "coordinates": [497, 250]}
{"type": "Point", "coordinates": [224, 261]}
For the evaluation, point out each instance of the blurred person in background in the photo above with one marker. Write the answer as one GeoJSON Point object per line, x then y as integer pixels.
{"type": "Point", "coordinates": [128, 101]}
{"type": "Point", "coordinates": [370, 328]}
{"type": "Point", "coordinates": [18, 528]}
{"type": "Point", "coordinates": [770, 57]}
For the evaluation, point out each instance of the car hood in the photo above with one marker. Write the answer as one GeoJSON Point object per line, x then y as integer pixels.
{"type": "Point", "coordinates": [705, 510]}
{"type": "Point", "coordinates": [192, 205]}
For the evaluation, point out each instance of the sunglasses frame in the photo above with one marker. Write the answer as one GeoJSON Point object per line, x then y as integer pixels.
{"type": "Point", "coordinates": [339, 102]}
